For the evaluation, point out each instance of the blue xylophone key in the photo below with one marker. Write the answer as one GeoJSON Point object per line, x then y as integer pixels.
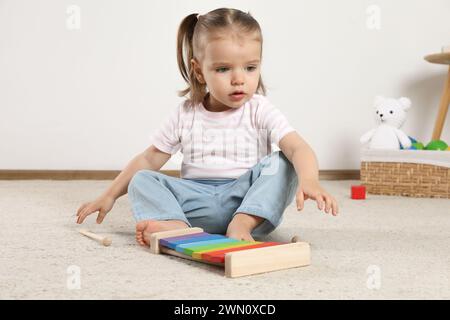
{"type": "Point", "coordinates": [173, 243]}
{"type": "Point", "coordinates": [187, 236]}
{"type": "Point", "coordinates": [166, 241]}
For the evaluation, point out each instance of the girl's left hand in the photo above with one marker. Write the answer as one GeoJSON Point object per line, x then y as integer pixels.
{"type": "Point", "coordinates": [311, 189]}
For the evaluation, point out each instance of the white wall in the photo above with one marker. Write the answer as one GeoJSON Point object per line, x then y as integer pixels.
{"type": "Point", "coordinates": [91, 98]}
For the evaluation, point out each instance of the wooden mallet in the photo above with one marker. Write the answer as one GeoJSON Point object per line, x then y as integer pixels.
{"type": "Point", "coordinates": [103, 240]}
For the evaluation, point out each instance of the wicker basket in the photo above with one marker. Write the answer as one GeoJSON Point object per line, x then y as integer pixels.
{"type": "Point", "coordinates": [414, 173]}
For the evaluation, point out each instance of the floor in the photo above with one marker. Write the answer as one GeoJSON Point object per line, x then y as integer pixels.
{"type": "Point", "coordinates": [380, 248]}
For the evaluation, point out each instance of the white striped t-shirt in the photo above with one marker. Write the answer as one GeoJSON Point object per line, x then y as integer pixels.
{"type": "Point", "coordinates": [221, 145]}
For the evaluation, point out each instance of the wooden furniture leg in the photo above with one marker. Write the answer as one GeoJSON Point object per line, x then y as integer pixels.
{"type": "Point", "coordinates": [443, 108]}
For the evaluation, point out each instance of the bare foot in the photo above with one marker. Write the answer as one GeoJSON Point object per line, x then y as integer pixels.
{"type": "Point", "coordinates": [145, 228]}
{"type": "Point", "coordinates": [239, 232]}
{"type": "Point", "coordinates": [242, 225]}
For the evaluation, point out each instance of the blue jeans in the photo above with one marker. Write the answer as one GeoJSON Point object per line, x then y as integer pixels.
{"type": "Point", "coordinates": [265, 190]}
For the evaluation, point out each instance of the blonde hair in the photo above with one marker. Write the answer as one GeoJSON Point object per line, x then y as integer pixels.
{"type": "Point", "coordinates": [192, 33]}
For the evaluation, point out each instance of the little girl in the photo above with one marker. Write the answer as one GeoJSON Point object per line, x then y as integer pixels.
{"type": "Point", "coordinates": [231, 181]}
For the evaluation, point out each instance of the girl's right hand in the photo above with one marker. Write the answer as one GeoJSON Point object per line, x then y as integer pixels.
{"type": "Point", "coordinates": [102, 204]}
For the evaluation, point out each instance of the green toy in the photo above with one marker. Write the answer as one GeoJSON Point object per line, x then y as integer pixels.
{"type": "Point", "coordinates": [417, 146]}
{"type": "Point", "coordinates": [436, 145]}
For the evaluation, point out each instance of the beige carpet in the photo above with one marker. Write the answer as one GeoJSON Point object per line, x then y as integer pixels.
{"type": "Point", "coordinates": [380, 248]}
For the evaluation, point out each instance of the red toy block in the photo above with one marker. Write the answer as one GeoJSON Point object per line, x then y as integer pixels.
{"type": "Point", "coordinates": [358, 192]}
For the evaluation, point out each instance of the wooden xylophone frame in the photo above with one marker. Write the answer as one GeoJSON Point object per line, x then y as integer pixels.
{"type": "Point", "coordinates": [244, 262]}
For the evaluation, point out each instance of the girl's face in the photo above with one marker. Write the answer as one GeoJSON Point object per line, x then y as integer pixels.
{"type": "Point", "coordinates": [229, 65]}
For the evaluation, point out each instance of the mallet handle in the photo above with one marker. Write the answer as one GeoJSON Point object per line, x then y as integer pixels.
{"type": "Point", "coordinates": [103, 240]}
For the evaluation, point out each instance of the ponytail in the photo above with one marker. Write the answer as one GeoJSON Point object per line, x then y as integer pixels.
{"type": "Point", "coordinates": [185, 53]}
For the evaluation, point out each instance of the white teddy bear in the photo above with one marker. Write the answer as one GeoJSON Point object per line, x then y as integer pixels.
{"type": "Point", "coordinates": [390, 114]}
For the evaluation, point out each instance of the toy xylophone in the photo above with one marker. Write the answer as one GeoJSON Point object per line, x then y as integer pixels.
{"type": "Point", "coordinates": [239, 258]}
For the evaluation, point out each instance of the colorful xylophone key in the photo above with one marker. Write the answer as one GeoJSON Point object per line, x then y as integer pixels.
{"type": "Point", "coordinates": [198, 252]}
{"type": "Point", "coordinates": [210, 247]}
{"type": "Point", "coordinates": [172, 242]}
{"type": "Point", "coordinates": [218, 256]}
{"type": "Point", "coordinates": [190, 248]}
{"type": "Point", "coordinates": [237, 257]}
